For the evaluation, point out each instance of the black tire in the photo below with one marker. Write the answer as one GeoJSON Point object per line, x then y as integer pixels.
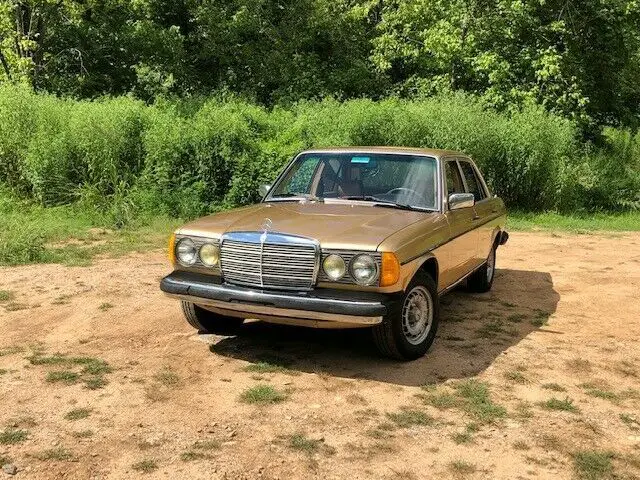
{"type": "Point", "coordinates": [481, 280]}
{"type": "Point", "coordinates": [208, 322]}
{"type": "Point", "coordinates": [389, 336]}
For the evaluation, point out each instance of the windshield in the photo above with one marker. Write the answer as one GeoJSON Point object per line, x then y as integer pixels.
{"type": "Point", "coordinates": [372, 177]}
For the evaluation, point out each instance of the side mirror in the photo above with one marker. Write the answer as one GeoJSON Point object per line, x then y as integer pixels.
{"type": "Point", "coordinates": [461, 200]}
{"type": "Point", "coordinates": [264, 189]}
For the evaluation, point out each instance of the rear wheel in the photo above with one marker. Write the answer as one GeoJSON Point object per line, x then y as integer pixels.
{"type": "Point", "coordinates": [208, 322]}
{"type": "Point", "coordinates": [409, 328]}
{"type": "Point", "coordinates": [481, 280]}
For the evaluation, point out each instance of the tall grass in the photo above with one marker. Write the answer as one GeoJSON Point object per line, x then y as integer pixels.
{"type": "Point", "coordinates": [123, 158]}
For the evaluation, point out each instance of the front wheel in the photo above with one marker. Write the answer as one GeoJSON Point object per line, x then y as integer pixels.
{"type": "Point", "coordinates": [409, 328]}
{"type": "Point", "coordinates": [208, 322]}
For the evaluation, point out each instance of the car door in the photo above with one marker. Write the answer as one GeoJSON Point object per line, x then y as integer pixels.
{"type": "Point", "coordinates": [484, 208]}
{"type": "Point", "coordinates": [461, 250]}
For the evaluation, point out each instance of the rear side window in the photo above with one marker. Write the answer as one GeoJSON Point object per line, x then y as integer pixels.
{"type": "Point", "coordinates": [454, 181]}
{"type": "Point", "coordinates": [473, 183]}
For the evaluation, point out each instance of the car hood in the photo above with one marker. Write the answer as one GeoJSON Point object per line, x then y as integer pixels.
{"type": "Point", "coordinates": [348, 226]}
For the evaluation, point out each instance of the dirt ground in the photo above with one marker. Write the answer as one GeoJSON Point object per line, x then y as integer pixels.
{"type": "Point", "coordinates": [556, 343]}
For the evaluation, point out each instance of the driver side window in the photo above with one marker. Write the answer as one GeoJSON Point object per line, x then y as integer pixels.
{"type": "Point", "coordinates": [454, 180]}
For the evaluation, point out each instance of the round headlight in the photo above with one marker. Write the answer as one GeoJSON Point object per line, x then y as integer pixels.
{"type": "Point", "coordinates": [334, 267]}
{"type": "Point", "coordinates": [364, 269]}
{"type": "Point", "coordinates": [186, 252]}
{"type": "Point", "coordinates": [210, 254]}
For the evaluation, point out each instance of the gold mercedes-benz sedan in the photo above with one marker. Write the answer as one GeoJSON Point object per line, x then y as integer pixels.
{"type": "Point", "coordinates": [365, 237]}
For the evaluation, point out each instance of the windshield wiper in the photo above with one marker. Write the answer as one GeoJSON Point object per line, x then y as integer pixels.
{"type": "Point", "coordinates": [293, 197]}
{"type": "Point", "coordinates": [378, 202]}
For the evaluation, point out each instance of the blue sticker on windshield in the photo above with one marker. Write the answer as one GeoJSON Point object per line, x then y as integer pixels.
{"type": "Point", "coordinates": [360, 159]}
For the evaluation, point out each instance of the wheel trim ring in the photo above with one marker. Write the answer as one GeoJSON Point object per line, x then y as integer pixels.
{"type": "Point", "coordinates": [417, 315]}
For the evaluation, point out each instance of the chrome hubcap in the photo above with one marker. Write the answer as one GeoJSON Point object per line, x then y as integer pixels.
{"type": "Point", "coordinates": [491, 265]}
{"type": "Point", "coordinates": [417, 315]}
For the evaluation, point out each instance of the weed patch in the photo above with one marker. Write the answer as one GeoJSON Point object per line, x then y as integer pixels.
{"type": "Point", "coordinates": [262, 395]}
{"type": "Point", "coordinates": [77, 414]}
{"type": "Point", "coordinates": [145, 466]}
{"type": "Point", "coordinates": [12, 436]}
{"type": "Point", "coordinates": [565, 405]}
{"type": "Point", "coordinates": [593, 465]}
{"type": "Point", "coordinates": [406, 418]}
{"type": "Point", "coordinates": [91, 370]}
{"type": "Point", "coordinates": [554, 387]}
{"type": "Point", "coordinates": [6, 296]}
{"type": "Point", "coordinates": [477, 402]}
{"type": "Point", "coordinates": [55, 454]}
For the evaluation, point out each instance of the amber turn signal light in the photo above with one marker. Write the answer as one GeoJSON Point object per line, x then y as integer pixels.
{"type": "Point", "coordinates": [172, 249]}
{"type": "Point", "coordinates": [390, 271]}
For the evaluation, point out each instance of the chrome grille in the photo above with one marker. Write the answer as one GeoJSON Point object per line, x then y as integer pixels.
{"type": "Point", "coordinates": [269, 260]}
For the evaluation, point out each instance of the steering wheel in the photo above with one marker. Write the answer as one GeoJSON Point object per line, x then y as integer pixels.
{"type": "Point", "coordinates": [404, 189]}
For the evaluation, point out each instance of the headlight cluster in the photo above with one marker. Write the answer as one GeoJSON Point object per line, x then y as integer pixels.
{"type": "Point", "coordinates": [188, 253]}
{"type": "Point", "coordinates": [363, 268]}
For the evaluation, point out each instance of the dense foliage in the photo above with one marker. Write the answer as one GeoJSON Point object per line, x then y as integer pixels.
{"type": "Point", "coordinates": [190, 157]}
{"type": "Point", "coordinates": [579, 59]}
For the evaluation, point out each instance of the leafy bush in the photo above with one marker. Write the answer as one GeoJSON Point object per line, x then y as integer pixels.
{"type": "Point", "coordinates": [186, 158]}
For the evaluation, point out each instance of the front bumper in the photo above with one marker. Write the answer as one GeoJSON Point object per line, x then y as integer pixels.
{"type": "Point", "coordinates": [320, 308]}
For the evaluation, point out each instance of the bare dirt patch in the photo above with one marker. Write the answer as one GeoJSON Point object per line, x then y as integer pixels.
{"type": "Point", "coordinates": [539, 378]}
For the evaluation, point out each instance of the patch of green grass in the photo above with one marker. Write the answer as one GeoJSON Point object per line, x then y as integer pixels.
{"type": "Point", "coordinates": [91, 373]}
{"type": "Point", "coordinates": [64, 376]}
{"type": "Point", "coordinates": [303, 443]}
{"type": "Point", "coordinates": [145, 466]}
{"type": "Point", "coordinates": [63, 234]}
{"type": "Point", "coordinates": [604, 394]}
{"type": "Point", "coordinates": [167, 378]}
{"type": "Point", "coordinates": [477, 401]}
{"type": "Point", "coordinates": [538, 322]}
{"type": "Point", "coordinates": [10, 350]}
{"type": "Point", "coordinates": [491, 329]}
{"type": "Point", "coordinates": [12, 436]}
{"type": "Point", "coordinates": [554, 387]}
{"type": "Point", "coordinates": [15, 307]}
{"type": "Point", "coordinates": [83, 434]}
{"type": "Point", "coordinates": [593, 464]}
{"type": "Point", "coordinates": [515, 376]}
{"type": "Point", "coordinates": [462, 437]}
{"type": "Point", "coordinates": [3, 371]}
{"type": "Point", "coordinates": [262, 395]}
{"type": "Point", "coordinates": [206, 444]}
{"type": "Point", "coordinates": [191, 455]}
{"type": "Point", "coordinates": [461, 467]}
{"type": "Point", "coordinates": [631, 421]}
{"type": "Point", "coordinates": [441, 400]}
{"type": "Point", "coordinates": [265, 367]}
{"type": "Point", "coordinates": [95, 383]}
{"type": "Point", "coordinates": [77, 414]}
{"type": "Point", "coordinates": [516, 317]}
{"type": "Point", "coordinates": [105, 306]}
{"type": "Point", "coordinates": [521, 445]}
{"type": "Point", "coordinates": [6, 296]}
{"type": "Point", "coordinates": [408, 417]}
{"type": "Point", "coordinates": [574, 223]}
{"type": "Point", "coordinates": [565, 405]}
{"type": "Point", "coordinates": [57, 454]}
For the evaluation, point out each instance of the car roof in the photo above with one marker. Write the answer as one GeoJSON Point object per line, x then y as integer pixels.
{"type": "Point", "coordinates": [434, 152]}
